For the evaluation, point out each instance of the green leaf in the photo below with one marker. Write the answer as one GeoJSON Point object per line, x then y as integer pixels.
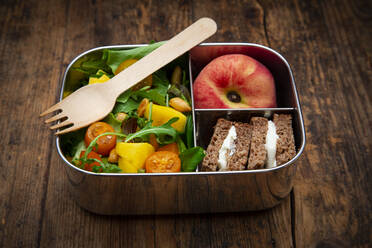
{"type": "Point", "coordinates": [189, 133]}
{"type": "Point", "coordinates": [156, 95]}
{"type": "Point", "coordinates": [109, 167]}
{"type": "Point", "coordinates": [115, 123]}
{"type": "Point", "coordinates": [74, 79]}
{"type": "Point", "coordinates": [92, 66]}
{"type": "Point", "coordinates": [78, 149]}
{"type": "Point", "coordinates": [165, 134]}
{"type": "Point", "coordinates": [191, 158]}
{"type": "Point", "coordinates": [115, 57]}
{"type": "Point", "coordinates": [126, 107]}
{"type": "Point", "coordinates": [181, 145]}
{"type": "Point", "coordinates": [160, 78]}
{"type": "Point", "coordinates": [123, 98]}
{"type": "Point", "coordinates": [71, 142]}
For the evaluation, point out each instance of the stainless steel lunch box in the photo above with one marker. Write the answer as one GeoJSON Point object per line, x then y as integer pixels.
{"type": "Point", "coordinates": [197, 192]}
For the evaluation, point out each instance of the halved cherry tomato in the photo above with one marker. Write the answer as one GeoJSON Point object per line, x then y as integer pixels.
{"type": "Point", "coordinates": [172, 147]}
{"type": "Point", "coordinates": [105, 143]}
{"type": "Point", "coordinates": [89, 167]}
{"type": "Point", "coordinates": [163, 161]}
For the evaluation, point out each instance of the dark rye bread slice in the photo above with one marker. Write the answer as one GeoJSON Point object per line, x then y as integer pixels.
{"type": "Point", "coordinates": [285, 146]}
{"type": "Point", "coordinates": [239, 159]}
{"type": "Point", "coordinates": [220, 132]}
{"type": "Point", "coordinates": [257, 154]}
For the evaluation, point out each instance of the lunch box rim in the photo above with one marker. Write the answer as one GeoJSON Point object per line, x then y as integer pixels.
{"type": "Point", "coordinates": [198, 173]}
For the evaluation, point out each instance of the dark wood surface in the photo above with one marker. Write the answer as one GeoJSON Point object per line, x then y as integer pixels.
{"type": "Point", "coordinates": [327, 43]}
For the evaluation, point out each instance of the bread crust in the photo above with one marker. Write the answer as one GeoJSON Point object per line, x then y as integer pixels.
{"type": "Point", "coordinates": [285, 146]}
{"type": "Point", "coordinates": [221, 129]}
{"type": "Point", "coordinates": [239, 159]}
{"type": "Point", "coordinates": [257, 154]}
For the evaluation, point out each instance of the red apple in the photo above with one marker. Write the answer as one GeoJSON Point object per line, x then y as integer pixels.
{"type": "Point", "coordinates": [234, 81]}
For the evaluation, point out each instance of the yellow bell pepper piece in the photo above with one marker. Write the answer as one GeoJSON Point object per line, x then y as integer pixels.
{"type": "Point", "coordinates": [162, 114]}
{"type": "Point", "coordinates": [124, 65]}
{"type": "Point", "coordinates": [132, 156]}
{"type": "Point", "coordinates": [101, 79]}
{"type": "Point", "coordinates": [100, 72]}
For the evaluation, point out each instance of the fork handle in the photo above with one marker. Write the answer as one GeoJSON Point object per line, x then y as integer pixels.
{"type": "Point", "coordinates": [175, 47]}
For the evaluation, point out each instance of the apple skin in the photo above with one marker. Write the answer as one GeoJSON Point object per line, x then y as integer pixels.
{"type": "Point", "coordinates": [237, 73]}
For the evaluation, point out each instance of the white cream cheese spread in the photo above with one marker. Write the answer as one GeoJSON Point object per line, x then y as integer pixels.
{"type": "Point", "coordinates": [270, 146]}
{"type": "Point", "coordinates": [228, 147]}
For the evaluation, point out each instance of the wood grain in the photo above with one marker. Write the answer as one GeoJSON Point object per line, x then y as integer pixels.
{"type": "Point", "coordinates": [327, 44]}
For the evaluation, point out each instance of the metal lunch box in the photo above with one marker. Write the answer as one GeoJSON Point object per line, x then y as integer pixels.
{"type": "Point", "coordinates": [197, 192]}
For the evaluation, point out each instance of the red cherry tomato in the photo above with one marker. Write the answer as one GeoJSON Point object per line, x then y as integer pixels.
{"type": "Point", "coordinates": [89, 167]}
{"type": "Point", "coordinates": [105, 143]}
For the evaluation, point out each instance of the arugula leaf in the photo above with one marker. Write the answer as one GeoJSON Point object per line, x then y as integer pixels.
{"type": "Point", "coordinates": [92, 66]}
{"type": "Point", "coordinates": [112, 121]}
{"type": "Point", "coordinates": [156, 95]}
{"type": "Point", "coordinates": [160, 78]}
{"type": "Point", "coordinates": [109, 167]}
{"type": "Point", "coordinates": [159, 88]}
{"type": "Point", "coordinates": [114, 58]}
{"type": "Point", "coordinates": [189, 133]}
{"type": "Point", "coordinates": [123, 98]}
{"type": "Point", "coordinates": [104, 165]}
{"type": "Point", "coordinates": [78, 149]}
{"type": "Point", "coordinates": [126, 107]}
{"type": "Point", "coordinates": [191, 158]}
{"type": "Point", "coordinates": [75, 79]}
{"type": "Point", "coordinates": [70, 142]}
{"type": "Point", "coordinates": [165, 134]}
{"type": "Point", "coordinates": [181, 145]}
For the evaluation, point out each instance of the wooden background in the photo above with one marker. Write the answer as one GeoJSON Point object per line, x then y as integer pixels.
{"type": "Point", "coordinates": [327, 43]}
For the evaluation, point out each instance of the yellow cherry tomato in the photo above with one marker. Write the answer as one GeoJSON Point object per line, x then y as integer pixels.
{"type": "Point", "coordinates": [163, 161]}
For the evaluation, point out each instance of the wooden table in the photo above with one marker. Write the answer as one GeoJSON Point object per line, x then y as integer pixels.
{"type": "Point", "coordinates": [327, 43]}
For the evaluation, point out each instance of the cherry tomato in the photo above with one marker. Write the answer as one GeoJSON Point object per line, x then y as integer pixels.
{"type": "Point", "coordinates": [163, 161]}
{"type": "Point", "coordinates": [105, 143]}
{"type": "Point", "coordinates": [173, 147]}
{"type": "Point", "coordinates": [89, 167]}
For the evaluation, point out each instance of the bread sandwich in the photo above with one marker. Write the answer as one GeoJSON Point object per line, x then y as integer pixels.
{"type": "Point", "coordinates": [260, 144]}
{"type": "Point", "coordinates": [228, 149]}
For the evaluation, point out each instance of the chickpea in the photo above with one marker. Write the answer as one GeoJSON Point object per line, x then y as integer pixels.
{"type": "Point", "coordinates": [113, 156]}
{"type": "Point", "coordinates": [153, 141]}
{"type": "Point", "coordinates": [121, 116]}
{"type": "Point", "coordinates": [142, 107]}
{"type": "Point", "coordinates": [179, 104]}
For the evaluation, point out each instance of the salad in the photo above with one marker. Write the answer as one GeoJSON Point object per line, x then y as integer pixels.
{"type": "Point", "coordinates": [150, 128]}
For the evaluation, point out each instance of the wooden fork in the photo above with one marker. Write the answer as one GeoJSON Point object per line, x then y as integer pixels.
{"type": "Point", "coordinates": [93, 102]}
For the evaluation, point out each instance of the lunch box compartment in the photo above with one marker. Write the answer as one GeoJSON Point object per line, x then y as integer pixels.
{"type": "Point", "coordinates": [285, 91]}
{"type": "Point", "coordinates": [206, 119]}
{"type": "Point", "coordinates": [195, 192]}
